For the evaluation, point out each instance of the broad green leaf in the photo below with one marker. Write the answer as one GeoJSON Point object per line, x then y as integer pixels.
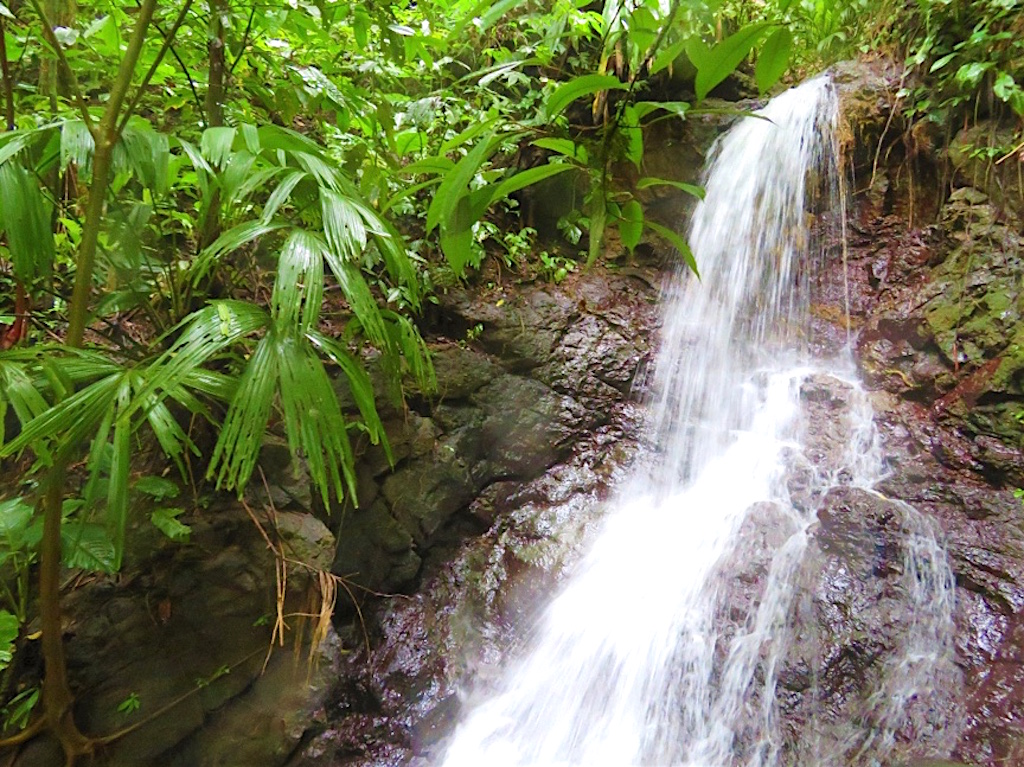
{"type": "Point", "coordinates": [565, 147]}
{"type": "Point", "coordinates": [667, 55]}
{"type": "Point", "coordinates": [228, 242]}
{"type": "Point", "coordinates": [281, 194]}
{"type": "Point", "coordinates": [360, 26]}
{"type": "Point", "coordinates": [216, 144]}
{"type": "Point", "coordinates": [437, 165]}
{"type": "Point", "coordinates": [773, 58]}
{"type": "Point", "coordinates": [474, 130]}
{"type": "Point", "coordinates": [26, 219]}
{"type": "Point", "coordinates": [719, 62]}
{"type": "Point", "coordinates": [528, 177]}
{"type": "Point", "coordinates": [408, 192]}
{"type": "Point", "coordinates": [969, 75]}
{"type": "Point", "coordinates": [942, 61]}
{"type": "Point", "coordinates": [494, 14]}
{"type": "Point", "coordinates": [15, 516]}
{"type": "Point", "coordinates": [457, 235]}
{"type": "Point", "coordinates": [120, 470]}
{"type": "Point", "coordinates": [678, 243]}
{"type": "Point", "coordinates": [630, 127]}
{"type": "Point", "coordinates": [454, 186]}
{"type": "Point", "coordinates": [166, 521]}
{"type": "Point", "coordinates": [343, 224]}
{"type": "Point", "coordinates": [10, 627]}
{"type": "Point", "coordinates": [87, 546]}
{"type": "Point", "coordinates": [677, 108]}
{"type": "Point", "coordinates": [649, 181]}
{"type": "Point", "coordinates": [241, 434]}
{"type": "Point", "coordinates": [76, 145]}
{"type": "Point", "coordinates": [299, 287]}
{"type": "Point", "coordinates": [585, 85]}
{"type": "Point", "coordinates": [631, 227]}
{"type": "Point", "coordinates": [158, 488]}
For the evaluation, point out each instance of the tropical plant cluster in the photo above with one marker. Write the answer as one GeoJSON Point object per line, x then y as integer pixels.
{"type": "Point", "coordinates": [214, 214]}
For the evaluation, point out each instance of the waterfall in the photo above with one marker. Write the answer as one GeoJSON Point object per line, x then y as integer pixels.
{"type": "Point", "coordinates": [647, 656]}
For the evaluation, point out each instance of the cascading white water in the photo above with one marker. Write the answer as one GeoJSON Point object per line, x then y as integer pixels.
{"type": "Point", "coordinates": [632, 663]}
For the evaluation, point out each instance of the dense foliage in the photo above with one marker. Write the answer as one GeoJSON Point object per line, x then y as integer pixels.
{"type": "Point", "coordinates": [212, 212]}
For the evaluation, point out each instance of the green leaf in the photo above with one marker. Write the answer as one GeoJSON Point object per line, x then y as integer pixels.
{"type": "Point", "coordinates": [667, 55]}
{"type": "Point", "coordinates": [577, 88]}
{"type": "Point", "coordinates": [631, 227]}
{"type": "Point", "coordinates": [343, 224]}
{"type": "Point", "coordinates": [460, 139]}
{"type": "Point", "coordinates": [26, 218]}
{"type": "Point", "coordinates": [299, 287]}
{"type": "Point", "coordinates": [165, 520]}
{"type": "Point", "coordinates": [970, 74]}
{"type": "Point", "coordinates": [677, 108]}
{"type": "Point", "coordinates": [457, 235]}
{"type": "Point", "coordinates": [216, 144]}
{"type": "Point", "coordinates": [360, 27]}
{"type": "Point", "coordinates": [717, 63]}
{"type": "Point", "coordinates": [942, 61]}
{"type": "Point", "coordinates": [678, 243]}
{"type": "Point", "coordinates": [158, 488]}
{"type": "Point", "coordinates": [630, 127]}
{"type": "Point", "coordinates": [76, 146]}
{"type": "Point", "coordinates": [15, 516]}
{"type": "Point", "coordinates": [281, 194]}
{"type": "Point", "coordinates": [773, 58]}
{"type": "Point", "coordinates": [87, 546]}
{"type": "Point", "coordinates": [228, 242]}
{"type": "Point", "coordinates": [495, 13]}
{"type": "Point", "coordinates": [10, 627]}
{"type": "Point", "coordinates": [120, 470]}
{"type": "Point", "coordinates": [525, 178]}
{"type": "Point", "coordinates": [455, 185]}
{"type": "Point", "coordinates": [565, 147]}
{"type": "Point", "coordinates": [650, 181]}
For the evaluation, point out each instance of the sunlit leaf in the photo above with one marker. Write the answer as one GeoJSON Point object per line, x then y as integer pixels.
{"type": "Point", "coordinates": [166, 521]}
{"type": "Point", "coordinates": [585, 85]}
{"type": "Point", "coordinates": [773, 58]}
{"type": "Point", "coordinates": [693, 189]}
{"type": "Point", "coordinates": [678, 243]}
{"type": "Point", "coordinates": [717, 63]}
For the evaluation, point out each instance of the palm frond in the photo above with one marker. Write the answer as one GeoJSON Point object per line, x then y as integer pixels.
{"type": "Point", "coordinates": [281, 193]}
{"type": "Point", "coordinates": [18, 390]}
{"type": "Point", "coordinates": [359, 385]}
{"type": "Point", "coordinates": [145, 153]}
{"type": "Point", "coordinates": [343, 224]}
{"type": "Point", "coordinates": [216, 144]}
{"type": "Point", "coordinates": [120, 469]}
{"type": "Point", "coordinates": [229, 241]}
{"type": "Point", "coordinates": [76, 146]}
{"type": "Point", "coordinates": [299, 288]}
{"type": "Point", "coordinates": [241, 435]}
{"type": "Point", "coordinates": [26, 219]}
{"type": "Point", "coordinates": [359, 296]}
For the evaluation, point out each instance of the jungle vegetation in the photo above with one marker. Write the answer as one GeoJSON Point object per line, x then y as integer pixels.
{"type": "Point", "coordinates": [212, 210]}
